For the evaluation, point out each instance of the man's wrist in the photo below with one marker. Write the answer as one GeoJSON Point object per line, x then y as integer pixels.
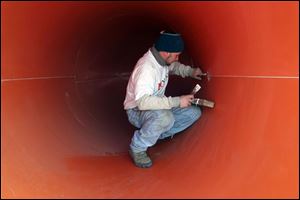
{"type": "Point", "coordinates": [191, 71]}
{"type": "Point", "coordinates": [175, 102]}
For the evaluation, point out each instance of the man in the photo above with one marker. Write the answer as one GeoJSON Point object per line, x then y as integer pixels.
{"type": "Point", "coordinates": [147, 107]}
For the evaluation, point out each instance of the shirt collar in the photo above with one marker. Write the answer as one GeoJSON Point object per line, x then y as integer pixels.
{"type": "Point", "coordinates": [158, 57]}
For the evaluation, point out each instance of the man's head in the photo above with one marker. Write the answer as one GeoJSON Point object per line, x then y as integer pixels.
{"type": "Point", "coordinates": [170, 45]}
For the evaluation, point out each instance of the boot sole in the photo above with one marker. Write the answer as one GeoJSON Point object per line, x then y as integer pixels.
{"type": "Point", "coordinates": [143, 165]}
{"type": "Point", "coordinates": [146, 165]}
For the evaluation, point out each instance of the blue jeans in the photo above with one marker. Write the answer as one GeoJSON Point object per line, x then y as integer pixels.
{"type": "Point", "coordinates": [159, 124]}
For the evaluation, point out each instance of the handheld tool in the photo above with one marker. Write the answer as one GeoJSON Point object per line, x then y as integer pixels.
{"type": "Point", "coordinates": [196, 89]}
{"type": "Point", "coordinates": [203, 102]}
{"type": "Point", "coordinates": [207, 75]}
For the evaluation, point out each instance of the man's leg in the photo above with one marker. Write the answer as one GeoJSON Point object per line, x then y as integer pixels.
{"type": "Point", "coordinates": [184, 118]}
{"type": "Point", "coordinates": [152, 124]}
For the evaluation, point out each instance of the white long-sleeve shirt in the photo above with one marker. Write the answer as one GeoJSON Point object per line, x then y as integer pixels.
{"type": "Point", "coordinates": [147, 84]}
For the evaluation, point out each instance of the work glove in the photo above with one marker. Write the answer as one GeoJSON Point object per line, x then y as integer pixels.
{"type": "Point", "coordinates": [197, 73]}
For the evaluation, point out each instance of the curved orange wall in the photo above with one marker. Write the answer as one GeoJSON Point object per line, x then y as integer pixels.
{"type": "Point", "coordinates": [64, 70]}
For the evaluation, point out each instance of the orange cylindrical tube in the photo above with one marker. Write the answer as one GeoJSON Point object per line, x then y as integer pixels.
{"type": "Point", "coordinates": [64, 71]}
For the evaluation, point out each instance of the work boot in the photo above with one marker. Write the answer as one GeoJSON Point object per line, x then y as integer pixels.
{"type": "Point", "coordinates": [141, 159]}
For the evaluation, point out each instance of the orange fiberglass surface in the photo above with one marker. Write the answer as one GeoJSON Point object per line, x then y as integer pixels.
{"type": "Point", "coordinates": [64, 71]}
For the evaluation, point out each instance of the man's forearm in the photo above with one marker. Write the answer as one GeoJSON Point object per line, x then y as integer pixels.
{"type": "Point", "coordinates": [148, 102]}
{"type": "Point", "coordinates": [181, 69]}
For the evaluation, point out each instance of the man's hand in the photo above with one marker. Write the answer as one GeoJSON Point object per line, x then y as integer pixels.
{"type": "Point", "coordinates": [185, 100]}
{"type": "Point", "coordinates": [197, 73]}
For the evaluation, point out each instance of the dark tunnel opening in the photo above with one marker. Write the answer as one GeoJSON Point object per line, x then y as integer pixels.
{"type": "Point", "coordinates": [105, 59]}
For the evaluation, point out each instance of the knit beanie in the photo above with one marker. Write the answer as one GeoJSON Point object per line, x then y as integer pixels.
{"type": "Point", "coordinates": [169, 42]}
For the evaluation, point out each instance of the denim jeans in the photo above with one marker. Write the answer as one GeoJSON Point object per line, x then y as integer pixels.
{"type": "Point", "coordinates": [159, 124]}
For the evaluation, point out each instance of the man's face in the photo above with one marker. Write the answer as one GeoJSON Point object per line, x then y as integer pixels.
{"type": "Point", "coordinates": [172, 57]}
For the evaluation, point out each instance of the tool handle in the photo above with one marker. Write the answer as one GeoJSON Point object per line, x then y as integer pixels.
{"type": "Point", "coordinates": [203, 102]}
{"type": "Point", "coordinates": [196, 89]}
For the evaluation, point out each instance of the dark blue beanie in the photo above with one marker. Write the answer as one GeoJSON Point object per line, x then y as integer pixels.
{"type": "Point", "coordinates": [169, 42]}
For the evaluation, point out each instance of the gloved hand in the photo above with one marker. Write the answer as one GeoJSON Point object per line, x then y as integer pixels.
{"type": "Point", "coordinates": [197, 73]}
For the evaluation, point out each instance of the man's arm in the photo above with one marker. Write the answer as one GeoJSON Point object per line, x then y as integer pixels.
{"type": "Point", "coordinates": [148, 102]}
{"type": "Point", "coordinates": [154, 103]}
{"type": "Point", "coordinates": [145, 87]}
{"type": "Point", "coordinates": [184, 70]}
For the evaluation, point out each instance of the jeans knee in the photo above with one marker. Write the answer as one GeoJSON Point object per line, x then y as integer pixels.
{"type": "Point", "coordinates": [165, 119]}
{"type": "Point", "coordinates": [195, 113]}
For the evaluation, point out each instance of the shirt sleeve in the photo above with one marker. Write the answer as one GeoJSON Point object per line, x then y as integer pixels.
{"type": "Point", "coordinates": [180, 69]}
{"type": "Point", "coordinates": [157, 103]}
